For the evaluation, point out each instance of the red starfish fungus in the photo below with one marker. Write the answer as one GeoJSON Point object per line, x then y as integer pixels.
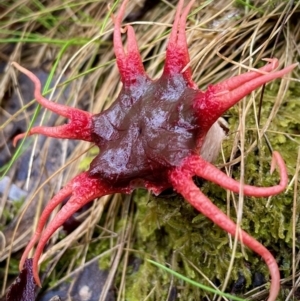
{"type": "Point", "coordinates": [152, 135]}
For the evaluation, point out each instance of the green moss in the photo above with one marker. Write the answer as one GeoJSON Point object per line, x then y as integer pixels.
{"type": "Point", "coordinates": [88, 158]}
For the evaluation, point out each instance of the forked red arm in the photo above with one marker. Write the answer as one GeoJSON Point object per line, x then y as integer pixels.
{"type": "Point", "coordinates": [82, 189]}
{"type": "Point", "coordinates": [209, 172]}
{"type": "Point", "coordinates": [177, 54]}
{"type": "Point", "coordinates": [218, 98]}
{"type": "Point", "coordinates": [181, 179]}
{"type": "Point", "coordinates": [79, 126]}
{"type": "Point", "coordinates": [130, 64]}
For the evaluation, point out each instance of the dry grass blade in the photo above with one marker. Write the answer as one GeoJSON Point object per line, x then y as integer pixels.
{"type": "Point", "coordinates": [225, 38]}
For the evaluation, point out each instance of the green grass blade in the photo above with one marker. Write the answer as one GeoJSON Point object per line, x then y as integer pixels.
{"type": "Point", "coordinates": [192, 282]}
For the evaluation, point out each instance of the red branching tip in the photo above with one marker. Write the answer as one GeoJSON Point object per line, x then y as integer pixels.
{"type": "Point", "coordinates": [177, 54]}
{"type": "Point", "coordinates": [80, 121]}
{"type": "Point", "coordinates": [82, 189]}
{"type": "Point", "coordinates": [211, 104]}
{"type": "Point", "coordinates": [211, 173]}
{"type": "Point", "coordinates": [130, 64]}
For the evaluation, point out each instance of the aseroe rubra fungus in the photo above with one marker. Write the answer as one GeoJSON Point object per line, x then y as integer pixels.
{"type": "Point", "coordinates": [152, 136]}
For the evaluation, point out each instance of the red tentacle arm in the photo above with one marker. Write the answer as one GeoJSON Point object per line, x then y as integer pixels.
{"type": "Point", "coordinates": [211, 173]}
{"type": "Point", "coordinates": [80, 123]}
{"type": "Point", "coordinates": [177, 55]}
{"type": "Point", "coordinates": [218, 98]}
{"type": "Point", "coordinates": [181, 179]}
{"type": "Point", "coordinates": [53, 203]}
{"type": "Point", "coordinates": [82, 190]}
{"type": "Point", "coordinates": [130, 64]}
